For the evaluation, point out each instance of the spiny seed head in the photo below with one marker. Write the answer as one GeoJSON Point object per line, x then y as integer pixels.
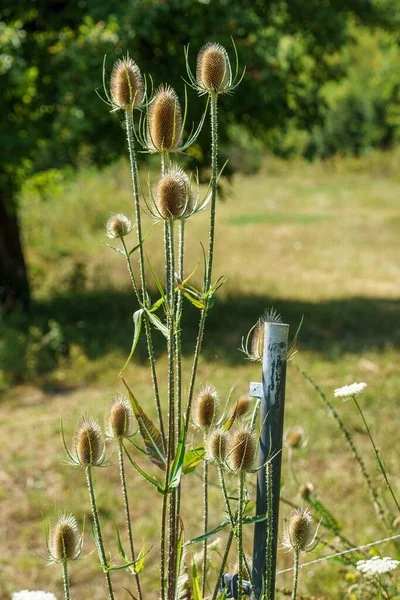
{"type": "Point", "coordinates": [119, 421]}
{"type": "Point", "coordinates": [245, 573]}
{"type": "Point", "coordinates": [126, 84]}
{"type": "Point", "coordinates": [242, 406]}
{"type": "Point", "coordinates": [299, 530]}
{"type": "Point", "coordinates": [217, 445]}
{"type": "Point", "coordinates": [64, 540]}
{"type": "Point", "coordinates": [213, 68]}
{"type": "Point", "coordinates": [89, 443]}
{"type": "Point", "coordinates": [257, 342]}
{"type": "Point", "coordinates": [294, 437]}
{"type": "Point", "coordinates": [205, 407]}
{"type": "Point", "coordinates": [118, 226]}
{"type": "Point", "coordinates": [173, 194]}
{"type": "Point", "coordinates": [306, 490]}
{"type": "Point", "coordinates": [165, 120]}
{"type": "Point", "coordinates": [243, 450]}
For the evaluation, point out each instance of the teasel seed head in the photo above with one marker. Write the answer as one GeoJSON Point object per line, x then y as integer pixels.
{"type": "Point", "coordinates": [245, 574]}
{"type": "Point", "coordinates": [306, 490]}
{"type": "Point", "coordinates": [213, 72]}
{"type": "Point", "coordinates": [118, 226]}
{"type": "Point", "coordinates": [65, 541]}
{"type": "Point", "coordinates": [243, 450]}
{"type": "Point", "coordinates": [217, 445]}
{"type": "Point", "coordinates": [164, 121]}
{"type": "Point", "coordinates": [205, 407]}
{"type": "Point", "coordinates": [298, 533]}
{"type": "Point", "coordinates": [257, 341]}
{"type": "Point", "coordinates": [126, 84]}
{"type": "Point", "coordinates": [119, 420]}
{"type": "Point", "coordinates": [242, 406]}
{"type": "Point", "coordinates": [294, 437]}
{"type": "Point", "coordinates": [173, 195]}
{"type": "Point", "coordinates": [89, 443]}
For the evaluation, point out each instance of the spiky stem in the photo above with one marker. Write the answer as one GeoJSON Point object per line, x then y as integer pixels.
{"type": "Point", "coordinates": [240, 535]}
{"type": "Point", "coordinates": [100, 544]}
{"type": "Point", "coordinates": [127, 513]}
{"type": "Point", "coordinates": [150, 349]}
{"type": "Point", "coordinates": [208, 273]}
{"type": "Point", "coordinates": [64, 565]}
{"type": "Point", "coordinates": [205, 525]}
{"type": "Point", "coordinates": [222, 568]}
{"type": "Point", "coordinates": [295, 573]}
{"type": "Point", "coordinates": [270, 532]}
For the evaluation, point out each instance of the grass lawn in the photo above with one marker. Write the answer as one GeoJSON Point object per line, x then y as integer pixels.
{"type": "Point", "coordinates": [320, 241]}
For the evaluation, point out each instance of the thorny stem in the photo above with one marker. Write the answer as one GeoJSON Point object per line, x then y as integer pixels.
{"type": "Point", "coordinates": [295, 574]}
{"type": "Point", "coordinates": [162, 539]}
{"type": "Point", "coordinates": [127, 514]}
{"type": "Point", "coordinates": [270, 532]}
{"type": "Point", "coordinates": [208, 274]}
{"type": "Point", "coordinates": [100, 544]}
{"type": "Point", "coordinates": [150, 350]}
{"type": "Point", "coordinates": [222, 569]}
{"type": "Point", "coordinates": [240, 536]}
{"type": "Point", "coordinates": [374, 495]}
{"type": "Point", "coordinates": [205, 525]}
{"type": "Point", "coordinates": [65, 579]}
{"type": "Point", "coordinates": [382, 468]}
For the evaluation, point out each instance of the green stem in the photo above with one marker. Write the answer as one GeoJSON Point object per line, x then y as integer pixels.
{"type": "Point", "coordinates": [270, 532]}
{"type": "Point", "coordinates": [66, 580]}
{"type": "Point", "coordinates": [374, 495]}
{"type": "Point", "coordinates": [222, 569]}
{"type": "Point", "coordinates": [100, 544]}
{"type": "Point", "coordinates": [240, 536]}
{"type": "Point", "coordinates": [163, 539]}
{"type": "Point", "coordinates": [382, 468]}
{"type": "Point", "coordinates": [205, 526]}
{"type": "Point", "coordinates": [295, 574]}
{"type": "Point", "coordinates": [127, 513]}
{"type": "Point", "coordinates": [150, 349]}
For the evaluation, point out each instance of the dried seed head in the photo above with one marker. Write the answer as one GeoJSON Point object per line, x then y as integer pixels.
{"type": "Point", "coordinates": [119, 420]}
{"type": "Point", "coordinates": [306, 490]}
{"type": "Point", "coordinates": [257, 341]}
{"type": "Point", "coordinates": [245, 573]}
{"type": "Point", "coordinates": [294, 437]}
{"type": "Point", "coordinates": [89, 443]}
{"type": "Point", "coordinates": [205, 407]}
{"type": "Point", "coordinates": [217, 445]}
{"type": "Point", "coordinates": [242, 406]}
{"type": "Point", "coordinates": [64, 540]}
{"type": "Point", "coordinates": [126, 84]}
{"type": "Point", "coordinates": [118, 226]}
{"type": "Point", "coordinates": [299, 530]}
{"type": "Point", "coordinates": [173, 194]}
{"type": "Point", "coordinates": [165, 120]}
{"type": "Point", "coordinates": [213, 68]}
{"type": "Point", "coordinates": [243, 450]}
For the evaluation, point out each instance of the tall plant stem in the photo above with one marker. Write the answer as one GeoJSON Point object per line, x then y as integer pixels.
{"type": "Point", "coordinates": [240, 536]}
{"type": "Point", "coordinates": [66, 580]}
{"type": "Point", "coordinates": [222, 569]}
{"type": "Point", "coordinates": [150, 349]}
{"type": "Point", "coordinates": [127, 513]}
{"type": "Point", "coordinates": [100, 544]}
{"type": "Point", "coordinates": [205, 526]}
{"type": "Point", "coordinates": [364, 472]}
{"type": "Point", "coordinates": [295, 573]}
{"type": "Point", "coordinates": [208, 273]}
{"type": "Point", "coordinates": [376, 451]}
{"type": "Point", "coordinates": [270, 531]}
{"type": "Point", "coordinates": [178, 351]}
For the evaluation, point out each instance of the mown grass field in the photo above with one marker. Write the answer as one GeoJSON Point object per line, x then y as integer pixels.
{"type": "Point", "coordinates": [320, 241]}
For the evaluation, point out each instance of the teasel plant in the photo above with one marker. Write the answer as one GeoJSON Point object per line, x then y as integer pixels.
{"type": "Point", "coordinates": [299, 536]}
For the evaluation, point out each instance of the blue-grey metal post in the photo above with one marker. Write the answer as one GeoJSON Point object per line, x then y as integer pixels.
{"type": "Point", "coordinates": [272, 395]}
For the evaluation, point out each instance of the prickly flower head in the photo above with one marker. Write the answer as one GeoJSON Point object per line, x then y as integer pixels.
{"type": "Point", "coordinates": [205, 407]}
{"type": "Point", "coordinates": [299, 535]}
{"type": "Point", "coordinates": [217, 445]}
{"type": "Point", "coordinates": [65, 540]}
{"type": "Point", "coordinates": [118, 226]}
{"type": "Point", "coordinates": [243, 450]}
{"type": "Point", "coordinates": [89, 443]}
{"type": "Point", "coordinates": [126, 84]}
{"type": "Point", "coordinates": [164, 121]}
{"type": "Point", "coordinates": [213, 72]}
{"type": "Point", "coordinates": [173, 195]}
{"type": "Point", "coordinates": [119, 420]}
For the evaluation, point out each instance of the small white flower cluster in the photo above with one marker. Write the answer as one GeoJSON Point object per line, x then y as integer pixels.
{"type": "Point", "coordinates": [27, 595]}
{"type": "Point", "coordinates": [377, 565]}
{"type": "Point", "coordinates": [350, 390]}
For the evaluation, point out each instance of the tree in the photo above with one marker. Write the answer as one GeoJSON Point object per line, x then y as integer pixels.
{"type": "Point", "coordinates": [51, 64]}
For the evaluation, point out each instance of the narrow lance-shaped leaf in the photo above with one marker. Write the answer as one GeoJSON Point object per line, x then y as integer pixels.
{"type": "Point", "coordinates": [176, 467]}
{"type": "Point", "coordinates": [153, 480]}
{"type": "Point", "coordinates": [192, 458]}
{"type": "Point", "coordinates": [137, 323]}
{"type": "Point", "coordinates": [149, 432]}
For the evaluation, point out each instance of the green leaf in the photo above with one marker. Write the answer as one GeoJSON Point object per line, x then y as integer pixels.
{"type": "Point", "coordinates": [195, 582]}
{"type": "Point", "coordinates": [156, 305]}
{"type": "Point", "coordinates": [192, 458]}
{"type": "Point", "coordinates": [209, 534]}
{"type": "Point", "coordinates": [158, 284]}
{"type": "Point", "coordinates": [193, 300]}
{"type": "Point", "coordinates": [256, 519]}
{"type": "Point", "coordinates": [149, 432]}
{"type": "Point", "coordinates": [158, 324]}
{"type": "Point", "coordinates": [140, 243]}
{"type": "Point", "coordinates": [120, 548]}
{"type": "Point", "coordinates": [153, 480]}
{"type": "Point", "coordinates": [137, 323]}
{"type": "Point", "coordinates": [116, 249]}
{"type": "Point", "coordinates": [176, 467]}
{"type": "Point", "coordinates": [140, 560]}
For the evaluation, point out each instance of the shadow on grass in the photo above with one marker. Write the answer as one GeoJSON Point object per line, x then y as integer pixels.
{"type": "Point", "coordinates": [99, 322]}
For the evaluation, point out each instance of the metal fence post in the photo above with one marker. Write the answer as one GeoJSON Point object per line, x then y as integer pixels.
{"type": "Point", "coordinates": [271, 419]}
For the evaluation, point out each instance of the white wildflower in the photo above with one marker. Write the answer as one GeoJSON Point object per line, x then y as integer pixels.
{"type": "Point", "coordinates": [377, 565]}
{"type": "Point", "coordinates": [27, 595]}
{"type": "Point", "coordinates": [350, 390]}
